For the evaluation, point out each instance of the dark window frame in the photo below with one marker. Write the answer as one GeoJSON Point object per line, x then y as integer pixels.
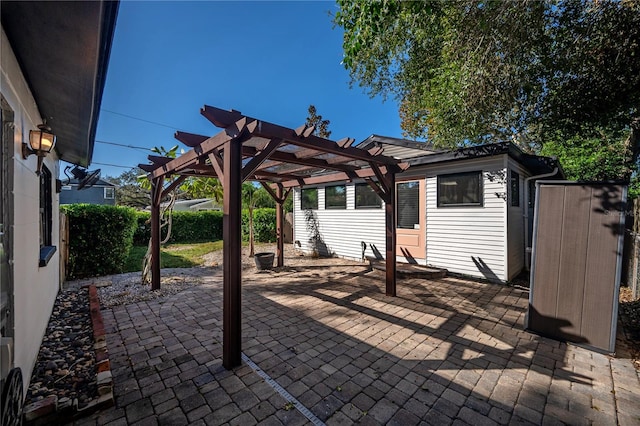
{"type": "Point", "coordinates": [304, 199]}
{"type": "Point", "coordinates": [367, 206]}
{"type": "Point", "coordinates": [47, 249]}
{"type": "Point", "coordinates": [341, 197]}
{"type": "Point", "coordinates": [479, 189]}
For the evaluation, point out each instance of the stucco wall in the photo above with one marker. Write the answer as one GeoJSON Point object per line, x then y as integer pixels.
{"type": "Point", "coordinates": [35, 287]}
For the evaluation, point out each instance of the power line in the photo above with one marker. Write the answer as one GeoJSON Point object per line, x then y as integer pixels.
{"type": "Point", "coordinates": [114, 165]}
{"type": "Point", "coordinates": [125, 146]}
{"type": "Point", "coordinates": [140, 119]}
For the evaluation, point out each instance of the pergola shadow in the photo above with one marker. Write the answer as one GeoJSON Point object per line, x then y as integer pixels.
{"type": "Point", "coordinates": [339, 343]}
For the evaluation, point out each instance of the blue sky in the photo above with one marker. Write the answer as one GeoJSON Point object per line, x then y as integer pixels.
{"type": "Point", "coordinates": [269, 60]}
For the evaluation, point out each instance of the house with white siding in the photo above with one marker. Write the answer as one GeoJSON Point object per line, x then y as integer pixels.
{"type": "Point", "coordinates": [53, 61]}
{"type": "Point", "coordinates": [467, 210]}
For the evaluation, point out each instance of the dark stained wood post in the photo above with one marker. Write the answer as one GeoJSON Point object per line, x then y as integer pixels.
{"type": "Point", "coordinates": [390, 233]}
{"type": "Point", "coordinates": [231, 233]}
{"type": "Point", "coordinates": [280, 227]}
{"type": "Point", "coordinates": [156, 187]}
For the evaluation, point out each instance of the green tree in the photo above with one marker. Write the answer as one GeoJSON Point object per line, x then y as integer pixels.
{"type": "Point", "coordinates": [321, 125]}
{"type": "Point", "coordinates": [203, 187]}
{"type": "Point", "coordinates": [130, 192]}
{"type": "Point", "coordinates": [467, 71]}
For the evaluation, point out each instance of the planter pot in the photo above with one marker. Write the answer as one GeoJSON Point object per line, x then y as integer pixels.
{"type": "Point", "coordinates": [264, 260]}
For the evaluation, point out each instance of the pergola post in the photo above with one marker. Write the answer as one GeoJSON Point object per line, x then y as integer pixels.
{"type": "Point", "coordinates": [279, 227]}
{"type": "Point", "coordinates": [232, 266]}
{"type": "Point", "coordinates": [390, 235]}
{"type": "Point", "coordinates": [156, 188]}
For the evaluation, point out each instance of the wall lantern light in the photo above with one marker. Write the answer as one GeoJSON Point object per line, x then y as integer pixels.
{"type": "Point", "coordinates": [41, 142]}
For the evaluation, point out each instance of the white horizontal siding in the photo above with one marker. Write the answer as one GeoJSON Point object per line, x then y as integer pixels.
{"type": "Point", "coordinates": [342, 231]}
{"type": "Point", "coordinates": [456, 236]}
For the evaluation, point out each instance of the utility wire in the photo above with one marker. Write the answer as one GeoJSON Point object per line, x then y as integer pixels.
{"type": "Point", "coordinates": [114, 165]}
{"type": "Point", "coordinates": [140, 119]}
{"type": "Point", "coordinates": [125, 146]}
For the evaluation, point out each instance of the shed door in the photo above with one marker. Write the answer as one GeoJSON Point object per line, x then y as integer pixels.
{"type": "Point", "coordinates": [576, 262]}
{"type": "Point", "coordinates": [411, 232]}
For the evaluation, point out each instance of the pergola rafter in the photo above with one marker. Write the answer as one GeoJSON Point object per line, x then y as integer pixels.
{"type": "Point", "coordinates": [279, 158]}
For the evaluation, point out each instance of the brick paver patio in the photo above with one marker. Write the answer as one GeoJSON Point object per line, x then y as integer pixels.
{"type": "Point", "coordinates": [443, 352]}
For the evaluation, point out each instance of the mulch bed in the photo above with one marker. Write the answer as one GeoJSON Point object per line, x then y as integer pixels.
{"type": "Point", "coordinates": [69, 368]}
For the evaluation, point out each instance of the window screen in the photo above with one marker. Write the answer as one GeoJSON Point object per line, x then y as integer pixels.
{"type": "Point", "coordinates": [408, 194]}
{"type": "Point", "coordinates": [335, 197]}
{"type": "Point", "coordinates": [309, 199]}
{"type": "Point", "coordinates": [366, 197]}
{"type": "Point", "coordinates": [460, 189]}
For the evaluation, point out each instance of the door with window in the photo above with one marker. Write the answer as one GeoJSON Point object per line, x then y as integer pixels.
{"type": "Point", "coordinates": [410, 220]}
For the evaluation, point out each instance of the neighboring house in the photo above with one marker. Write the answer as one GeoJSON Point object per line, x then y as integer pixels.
{"type": "Point", "coordinates": [464, 210]}
{"type": "Point", "coordinates": [102, 192]}
{"type": "Point", "coordinates": [196, 205]}
{"type": "Point", "coordinates": [53, 66]}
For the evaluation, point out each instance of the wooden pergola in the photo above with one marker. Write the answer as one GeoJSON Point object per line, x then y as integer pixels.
{"type": "Point", "coordinates": [279, 158]}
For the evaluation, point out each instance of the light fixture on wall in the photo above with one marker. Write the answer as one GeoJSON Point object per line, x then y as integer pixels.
{"type": "Point", "coordinates": [41, 142]}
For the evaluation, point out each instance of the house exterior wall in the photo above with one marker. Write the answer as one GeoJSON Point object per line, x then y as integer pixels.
{"type": "Point", "coordinates": [469, 240]}
{"type": "Point", "coordinates": [465, 240]}
{"type": "Point", "coordinates": [35, 288]}
{"type": "Point", "coordinates": [343, 230]}
{"type": "Point", "coordinates": [93, 195]}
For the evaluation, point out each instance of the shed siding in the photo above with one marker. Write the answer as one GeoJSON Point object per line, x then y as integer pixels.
{"type": "Point", "coordinates": [342, 230]}
{"type": "Point", "coordinates": [469, 240]}
{"type": "Point", "coordinates": [455, 236]}
{"type": "Point", "coordinates": [515, 225]}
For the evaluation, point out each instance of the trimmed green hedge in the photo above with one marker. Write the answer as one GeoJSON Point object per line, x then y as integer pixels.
{"type": "Point", "coordinates": [203, 226]}
{"type": "Point", "coordinates": [264, 225]}
{"type": "Point", "coordinates": [100, 238]}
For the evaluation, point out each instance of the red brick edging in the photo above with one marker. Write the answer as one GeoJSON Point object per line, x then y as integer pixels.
{"type": "Point", "coordinates": [48, 409]}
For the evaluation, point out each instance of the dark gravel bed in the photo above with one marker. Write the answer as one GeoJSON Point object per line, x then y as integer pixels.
{"type": "Point", "coordinates": [66, 362]}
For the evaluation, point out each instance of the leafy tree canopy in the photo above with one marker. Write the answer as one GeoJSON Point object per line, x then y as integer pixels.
{"type": "Point", "coordinates": [466, 71]}
{"type": "Point", "coordinates": [315, 119]}
{"type": "Point", "coordinates": [130, 193]}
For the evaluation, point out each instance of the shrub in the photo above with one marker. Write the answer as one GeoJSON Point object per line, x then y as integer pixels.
{"type": "Point", "coordinates": [203, 226]}
{"type": "Point", "coordinates": [100, 238]}
{"type": "Point", "coordinates": [264, 225]}
{"type": "Point", "coordinates": [186, 227]}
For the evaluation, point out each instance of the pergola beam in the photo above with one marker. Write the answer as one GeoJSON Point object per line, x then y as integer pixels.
{"type": "Point", "coordinates": [259, 158]}
{"type": "Point", "coordinates": [263, 158]}
{"type": "Point", "coordinates": [222, 118]}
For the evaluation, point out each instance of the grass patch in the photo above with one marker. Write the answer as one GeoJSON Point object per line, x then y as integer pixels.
{"type": "Point", "coordinates": [172, 255]}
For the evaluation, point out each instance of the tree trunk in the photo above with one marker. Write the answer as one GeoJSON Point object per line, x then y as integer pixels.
{"type": "Point", "coordinates": [251, 246]}
{"type": "Point", "coordinates": [632, 146]}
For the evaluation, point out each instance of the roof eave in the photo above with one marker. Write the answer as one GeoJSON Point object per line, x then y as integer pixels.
{"type": "Point", "coordinates": [63, 49]}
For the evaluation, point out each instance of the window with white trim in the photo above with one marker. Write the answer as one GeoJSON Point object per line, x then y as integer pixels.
{"type": "Point", "coordinates": [109, 193]}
